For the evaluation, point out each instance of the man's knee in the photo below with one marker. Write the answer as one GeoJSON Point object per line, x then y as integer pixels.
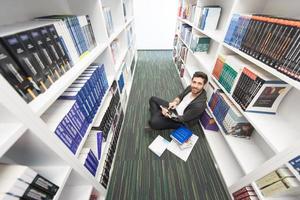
{"type": "Point", "coordinates": [155, 123]}
{"type": "Point", "coordinates": [152, 99]}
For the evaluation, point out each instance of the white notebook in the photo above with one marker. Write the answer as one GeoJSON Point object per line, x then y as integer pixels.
{"type": "Point", "coordinates": [159, 145]}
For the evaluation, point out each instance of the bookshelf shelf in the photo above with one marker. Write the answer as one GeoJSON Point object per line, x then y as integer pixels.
{"type": "Point", "coordinates": [58, 175]}
{"type": "Point", "coordinates": [204, 59]}
{"type": "Point", "coordinates": [267, 68]}
{"type": "Point", "coordinates": [241, 147]}
{"type": "Point", "coordinates": [275, 135]}
{"type": "Point", "coordinates": [28, 129]}
{"type": "Point", "coordinates": [226, 162]}
{"type": "Point", "coordinates": [45, 100]}
{"type": "Point", "coordinates": [215, 35]}
{"type": "Point", "coordinates": [266, 125]}
{"type": "Point", "coordinates": [13, 131]}
{"type": "Point", "coordinates": [81, 192]}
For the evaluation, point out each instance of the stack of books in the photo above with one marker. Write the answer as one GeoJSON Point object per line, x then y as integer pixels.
{"type": "Point", "coordinates": [181, 136]}
{"type": "Point", "coordinates": [21, 182]}
{"type": "Point", "coordinates": [83, 97]}
{"type": "Point", "coordinates": [254, 89]}
{"type": "Point", "coordinates": [111, 151]}
{"type": "Point", "coordinates": [35, 54]}
{"type": "Point", "coordinates": [272, 40]}
{"type": "Point", "coordinates": [258, 91]}
{"type": "Point", "coordinates": [94, 142]}
{"type": "Point", "coordinates": [278, 182]}
{"type": "Point", "coordinates": [199, 43]}
{"type": "Point", "coordinates": [296, 163]}
{"type": "Point", "coordinates": [245, 193]}
{"type": "Point", "coordinates": [80, 29]}
{"type": "Point", "coordinates": [231, 70]}
{"type": "Point", "coordinates": [230, 119]}
{"type": "Point", "coordinates": [209, 18]}
{"type": "Point", "coordinates": [108, 20]}
{"type": "Point", "coordinates": [185, 33]}
{"type": "Point", "coordinates": [107, 120]}
{"type": "Point", "coordinates": [89, 160]}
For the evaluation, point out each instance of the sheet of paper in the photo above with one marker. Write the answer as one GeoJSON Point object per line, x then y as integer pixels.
{"type": "Point", "coordinates": [182, 153]}
{"type": "Point", "coordinates": [159, 145]}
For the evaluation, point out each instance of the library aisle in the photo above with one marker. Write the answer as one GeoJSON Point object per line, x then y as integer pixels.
{"type": "Point", "coordinates": [140, 174]}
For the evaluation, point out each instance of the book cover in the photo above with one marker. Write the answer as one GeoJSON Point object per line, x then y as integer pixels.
{"type": "Point", "coordinates": [159, 145]}
{"type": "Point", "coordinates": [181, 134]}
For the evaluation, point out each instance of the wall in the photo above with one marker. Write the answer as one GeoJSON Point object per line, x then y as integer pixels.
{"type": "Point", "coordinates": [155, 23]}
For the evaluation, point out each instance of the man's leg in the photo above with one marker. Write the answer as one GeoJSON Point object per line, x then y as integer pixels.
{"type": "Point", "coordinates": [155, 104]}
{"type": "Point", "coordinates": [160, 122]}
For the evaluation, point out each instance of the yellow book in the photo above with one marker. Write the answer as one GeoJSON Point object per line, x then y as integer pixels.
{"type": "Point", "coordinates": [273, 177]}
{"type": "Point", "coordinates": [280, 187]}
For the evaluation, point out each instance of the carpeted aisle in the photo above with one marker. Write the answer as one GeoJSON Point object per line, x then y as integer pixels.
{"type": "Point", "coordinates": [138, 173]}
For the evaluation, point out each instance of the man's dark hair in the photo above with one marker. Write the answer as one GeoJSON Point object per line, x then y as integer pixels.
{"type": "Point", "coordinates": [201, 75]}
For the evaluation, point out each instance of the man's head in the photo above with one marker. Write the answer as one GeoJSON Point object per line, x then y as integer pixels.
{"type": "Point", "coordinates": [198, 81]}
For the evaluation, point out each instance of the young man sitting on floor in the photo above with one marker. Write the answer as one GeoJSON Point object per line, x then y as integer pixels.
{"type": "Point", "coordinates": [185, 109]}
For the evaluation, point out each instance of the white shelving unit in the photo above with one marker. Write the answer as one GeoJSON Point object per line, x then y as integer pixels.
{"type": "Point", "coordinates": [27, 130]}
{"type": "Point", "coordinates": [276, 138]}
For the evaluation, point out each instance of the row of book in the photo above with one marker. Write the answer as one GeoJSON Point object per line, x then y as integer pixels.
{"type": "Point", "coordinates": [185, 33]}
{"type": "Point", "coordinates": [35, 54]}
{"type": "Point", "coordinates": [111, 151]}
{"type": "Point", "coordinates": [83, 97]}
{"type": "Point", "coordinates": [245, 193]}
{"type": "Point", "coordinates": [272, 40]}
{"type": "Point", "coordinates": [199, 43]}
{"type": "Point", "coordinates": [278, 183]}
{"type": "Point", "coordinates": [88, 158]}
{"type": "Point", "coordinates": [21, 182]}
{"type": "Point", "coordinates": [203, 17]}
{"type": "Point", "coordinates": [108, 20]}
{"type": "Point", "coordinates": [228, 116]}
{"type": "Point", "coordinates": [254, 89]}
{"type": "Point", "coordinates": [295, 163]}
{"type": "Point", "coordinates": [109, 115]}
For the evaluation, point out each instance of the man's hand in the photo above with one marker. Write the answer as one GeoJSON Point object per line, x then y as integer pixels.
{"type": "Point", "coordinates": [165, 112]}
{"type": "Point", "coordinates": [172, 105]}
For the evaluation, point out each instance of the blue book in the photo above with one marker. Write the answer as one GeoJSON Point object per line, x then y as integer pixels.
{"type": "Point", "coordinates": [181, 134]}
{"type": "Point", "coordinates": [203, 18]}
{"type": "Point", "coordinates": [295, 161]}
{"type": "Point", "coordinates": [231, 28]}
{"type": "Point", "coordinates": [66, 139]}
{"type": "Point", "coordinates": [99, 143]}
{"type": "Point", "coordinates": [246, 20]}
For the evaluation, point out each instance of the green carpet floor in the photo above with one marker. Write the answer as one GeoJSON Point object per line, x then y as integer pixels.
{"type": "Point", "coordinates": [138, 173]}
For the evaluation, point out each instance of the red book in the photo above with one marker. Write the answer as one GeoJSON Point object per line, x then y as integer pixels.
{"type": "Point", "coordinates": [218, 68]}
{"type": "Point", "coordinates": [242, 190]}
{"type": "Point", "coordinates": [245, 194]}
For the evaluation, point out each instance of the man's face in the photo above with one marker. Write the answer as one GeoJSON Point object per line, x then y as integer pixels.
{"type": "Point", "coordinates": [197, 85]}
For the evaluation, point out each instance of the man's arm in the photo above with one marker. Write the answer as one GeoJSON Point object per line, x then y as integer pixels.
{"type": "Point", "coordinates": [177, 100]}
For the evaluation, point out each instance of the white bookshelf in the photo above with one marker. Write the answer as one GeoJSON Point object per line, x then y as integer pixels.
{"type": "Point", "coordinates": [77, 193]}
{"type": "Point", "coordinates": [276, 138]}
{"type": "Point", "coordinates": [225, 161]}
{"type": "Point", "coordinates": [28, 129]}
